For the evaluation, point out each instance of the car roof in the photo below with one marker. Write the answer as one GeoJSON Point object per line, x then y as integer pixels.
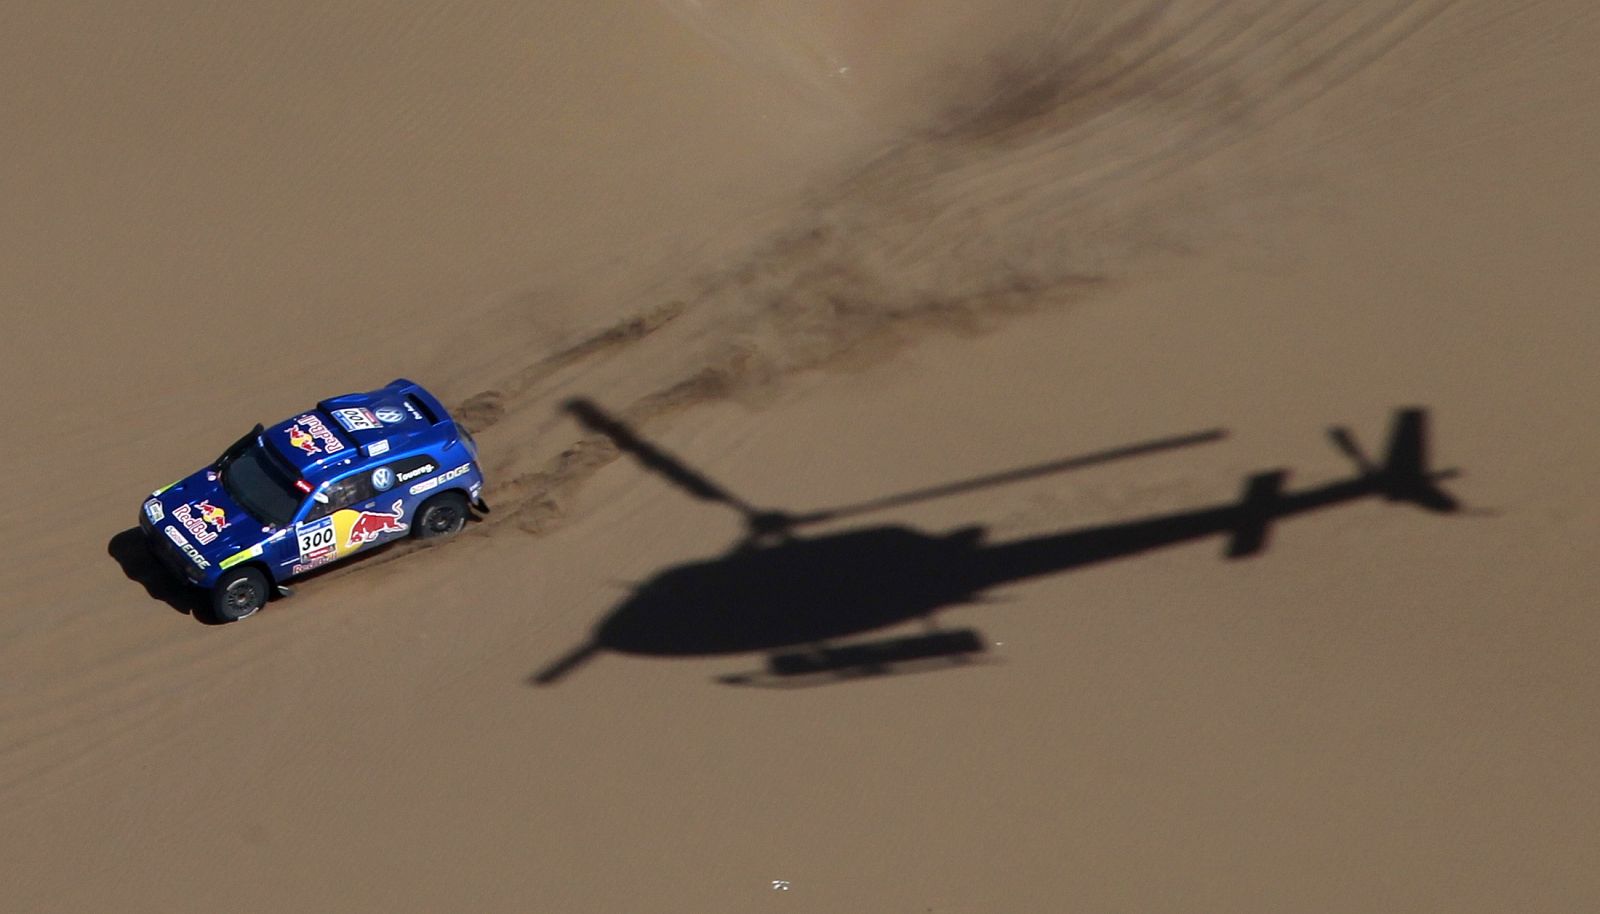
{"type": "Point", "coordinates": [361, 427]}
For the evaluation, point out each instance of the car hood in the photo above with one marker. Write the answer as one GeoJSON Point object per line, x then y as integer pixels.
{"type": "Point", "coordinates": [203, 513]}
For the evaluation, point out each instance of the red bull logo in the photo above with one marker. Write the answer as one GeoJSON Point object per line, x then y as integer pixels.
{"type": "Point", "coordinates": [372, 524]}
{"type": "Point", "coordinates": [211, 514]}
{"type": "Point", "coordinates": [202, 519]}
{"type": "Point", "coordinates": [303, 441]}
{"type": "Point", "coordinates": [311, 436]}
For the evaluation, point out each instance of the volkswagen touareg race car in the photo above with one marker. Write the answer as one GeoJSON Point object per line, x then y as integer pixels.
{"type": "Point", "coordinates": [355, 472]}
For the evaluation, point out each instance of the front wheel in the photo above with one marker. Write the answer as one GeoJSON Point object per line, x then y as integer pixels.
{"type": "Point", "coordinates": [441, 516]}
{"type": "Point", "coordinates": [238, 594]}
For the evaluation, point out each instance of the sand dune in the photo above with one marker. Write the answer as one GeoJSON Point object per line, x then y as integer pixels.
{"type": "Point", "coordinates": [822, 254]}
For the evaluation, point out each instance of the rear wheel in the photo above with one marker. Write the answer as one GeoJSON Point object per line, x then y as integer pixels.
{"type": "Point", "coordinates": [441, 516]}
{"type": "Point", "coordinates": [238, 594]}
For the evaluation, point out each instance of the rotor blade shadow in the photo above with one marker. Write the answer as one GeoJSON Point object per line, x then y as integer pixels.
{"type": "Point", "coordinates": [762, 523]}
{"type": "Point", "coordinates": [592, 417]}
{"type": "Point", "coordinates": [1020, 474]}
{"type": "Point", "coordinates": [565, 664]}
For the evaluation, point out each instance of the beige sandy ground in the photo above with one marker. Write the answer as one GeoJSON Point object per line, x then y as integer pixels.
{"type": "Point", "coordinates": [824, 253]}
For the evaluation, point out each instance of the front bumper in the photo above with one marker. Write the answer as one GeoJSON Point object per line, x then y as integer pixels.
{"type": "Point", "coordinates": [168, 553]}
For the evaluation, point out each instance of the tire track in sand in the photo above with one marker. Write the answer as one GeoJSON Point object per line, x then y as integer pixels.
{"type": "Point", "coordinates": [1029, 189]}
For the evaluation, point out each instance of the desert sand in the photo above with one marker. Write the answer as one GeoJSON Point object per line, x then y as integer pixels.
{"type": "Point", "coordinates": [822, 254]}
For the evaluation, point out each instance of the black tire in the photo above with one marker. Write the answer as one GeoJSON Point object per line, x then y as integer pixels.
{"type": "Point", "coordinates": [441, 516]}
{"type": "Point", "coordinates": [238, 594]}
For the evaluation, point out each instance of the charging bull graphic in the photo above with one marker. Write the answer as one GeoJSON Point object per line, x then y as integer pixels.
{"type": "Point", "coordinates": [201, 526]}
{"type": "Point", "coordinates": [372, 524]}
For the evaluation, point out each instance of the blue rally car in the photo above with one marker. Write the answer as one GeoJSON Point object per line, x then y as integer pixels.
{"type": "Point", "coordinates": [356, 471]}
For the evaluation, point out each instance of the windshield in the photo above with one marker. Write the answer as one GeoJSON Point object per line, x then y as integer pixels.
{"type": "Point", "coordinates": [257, 481]}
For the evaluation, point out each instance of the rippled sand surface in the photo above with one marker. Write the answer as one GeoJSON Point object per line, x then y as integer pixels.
{"type": "Point", "coordinates": [820, 255]}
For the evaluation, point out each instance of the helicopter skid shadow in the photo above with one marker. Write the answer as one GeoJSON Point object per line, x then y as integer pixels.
{"type": "Point", "coordinates": [826, 665]}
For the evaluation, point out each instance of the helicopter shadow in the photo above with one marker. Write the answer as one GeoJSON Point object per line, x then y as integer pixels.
{"type": "Point", "coordinates": [794, 596]}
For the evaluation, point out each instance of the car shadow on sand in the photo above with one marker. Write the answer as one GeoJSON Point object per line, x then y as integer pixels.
{"type": "Point", "coordinates": [133, 555]}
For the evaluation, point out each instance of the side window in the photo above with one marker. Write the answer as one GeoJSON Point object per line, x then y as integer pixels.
{"type": "Point", "coordinates": [351, 490]}
{"type": "Point", "coordinates": [408, 470]}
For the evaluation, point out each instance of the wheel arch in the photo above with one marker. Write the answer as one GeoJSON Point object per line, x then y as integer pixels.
{"type": "Point", "coordinates": [257, 564]}
{"type": "Point", "coordinates": [439, 493]}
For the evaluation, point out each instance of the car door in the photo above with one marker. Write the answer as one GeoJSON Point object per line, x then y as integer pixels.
{"type": "Point", "coordinates": [375, 512]}
{"type": "Point", "coordinates": [342, 518]}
